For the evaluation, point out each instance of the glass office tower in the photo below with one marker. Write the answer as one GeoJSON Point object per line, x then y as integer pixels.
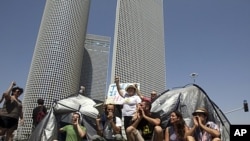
{"type": "Point", "coordinates": [57, 60]}
{"type": "Point", "coordinates": [95, 66]}
{"type": "Point", "coordinates": [139, 48]}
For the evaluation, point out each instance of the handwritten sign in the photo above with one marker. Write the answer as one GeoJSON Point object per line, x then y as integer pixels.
{"type": "Point", "coordinates": [113, 97]}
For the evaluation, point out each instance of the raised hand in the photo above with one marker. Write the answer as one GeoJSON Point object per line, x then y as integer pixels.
{"type": "Point", "coordinates": [110, 116]}
{"type": "Point", "coordinates": [13, 83]}
{"type": "Point", "coordinates": [136, 85]}
{"type": "Point", "coordinates": [141, 112]}
{"type": "Point", "coordinates": [21, 122]}
{"type": "Point", "coordinates": [196, 121]}
{"type": "Point", "coordinates": [76, 121]}
{"type": "Point", "coordinates": [117, 79]}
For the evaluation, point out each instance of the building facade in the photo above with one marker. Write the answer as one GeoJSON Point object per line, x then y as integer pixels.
{"type": "Point", "coordinates": [95, 66]}
{"type": "Point", "coordinates": [139, 48]}
{"type": "Point", "coordinates": [57, 59]}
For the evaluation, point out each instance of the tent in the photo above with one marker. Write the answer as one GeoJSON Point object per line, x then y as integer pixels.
{"type": "Point", "coordinates": [47, 129]}
{"type": "Point", "coordinates": [186, 99]}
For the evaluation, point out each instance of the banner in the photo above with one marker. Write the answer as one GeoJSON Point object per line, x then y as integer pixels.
{"type": "Point", "coordinates": [113, 97]}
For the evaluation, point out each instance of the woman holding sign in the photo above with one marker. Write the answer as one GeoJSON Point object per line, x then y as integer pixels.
{"type": "Point", "coordinates": [131, 101]}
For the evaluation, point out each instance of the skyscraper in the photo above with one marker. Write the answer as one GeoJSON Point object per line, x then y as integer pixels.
{"type": "Point", "coordinates": [95, 66]}
{"type": "Point", "coordinates": [139, 48]}
{"type": "Point", "coordinates": [57, 60]}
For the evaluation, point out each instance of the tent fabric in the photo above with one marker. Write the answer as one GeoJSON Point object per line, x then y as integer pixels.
{"type": "Point", "coordinates": [47, 129]}
{"type": "Point", "coordinates": [186, 100]}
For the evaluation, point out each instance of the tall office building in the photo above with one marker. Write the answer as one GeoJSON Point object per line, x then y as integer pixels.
{"type": "Point", "coordinates": [95, 66]}
{"type": "Point", "coordinates": [139, 48]}
{"type": "Point", "coordinates": [57, 60]}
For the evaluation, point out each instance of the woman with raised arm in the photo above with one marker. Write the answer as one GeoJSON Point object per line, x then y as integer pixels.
{"type": "Point", "coordinates": [131, 101]}
{"type": "Point", "coordinates": [11, 111]}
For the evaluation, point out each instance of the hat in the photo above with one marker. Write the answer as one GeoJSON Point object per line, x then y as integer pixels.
{"type": "Point", "coordinates": [130, 86]}
{"type": "Point", "coordinates": [200, 110]}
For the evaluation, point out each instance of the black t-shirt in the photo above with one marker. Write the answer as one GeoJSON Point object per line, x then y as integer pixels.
{"type": "Point", "coordinates": [35, 112]}
{"type": "Point", "coordinates": [146, 128]}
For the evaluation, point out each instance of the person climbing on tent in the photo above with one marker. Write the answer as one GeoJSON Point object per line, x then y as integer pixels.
{"type": "Point", "coordinates": [74, 132]}
{"type": "Point", "coordinates": [203, 130]}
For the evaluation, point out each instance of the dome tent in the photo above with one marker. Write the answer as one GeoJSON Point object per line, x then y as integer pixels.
{"type": "Point", "coordinates": [47, 129]}
{"type": "Point", "coordinates": [186, 100]}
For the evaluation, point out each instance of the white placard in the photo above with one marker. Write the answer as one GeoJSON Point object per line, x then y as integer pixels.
{"type": "Point", "coordinates": [113, 96]}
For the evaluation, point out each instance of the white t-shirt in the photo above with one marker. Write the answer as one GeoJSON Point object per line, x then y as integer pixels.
{"type": "Point", "coordinates": [108, 132]}
{"type": "Point", "coordinates": [129, 104]}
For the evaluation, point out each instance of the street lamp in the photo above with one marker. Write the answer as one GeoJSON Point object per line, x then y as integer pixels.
{"type": "Point", "coordinates": [194, 75]}
{"type": "Point", "coordinates": [245, 107]}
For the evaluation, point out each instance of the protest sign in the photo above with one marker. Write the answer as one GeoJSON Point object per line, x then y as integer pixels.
{"type": "Point", "coordinates": [113, 96]}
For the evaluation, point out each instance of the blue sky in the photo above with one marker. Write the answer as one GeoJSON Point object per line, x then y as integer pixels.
{"type": "Point", "coordinates": [211, 38]}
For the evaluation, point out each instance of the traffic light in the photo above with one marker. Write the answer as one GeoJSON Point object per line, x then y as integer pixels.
{"type": "Point", "coordinates": [245, 104]}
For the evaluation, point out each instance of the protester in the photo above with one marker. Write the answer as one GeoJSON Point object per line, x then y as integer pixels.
{"type": "Point", "coordinates": [39, 112]}
{"type": "Point", "coordinates": [153, 96]}
{"type": "Point", "coordinates": [177, 131]}
{"type": "Point", "coordinates": [108, 127]}
{"type": "Point", "coordinates": [74, 132]}
{"type": "Point", "coordinates": [203, 130]}
{"type": "Point", "coordinates": [11, 112]}
{"type": "Point", "coordinates": [131, 101]}
{"type": "Point", "coordinates": [146, 126]}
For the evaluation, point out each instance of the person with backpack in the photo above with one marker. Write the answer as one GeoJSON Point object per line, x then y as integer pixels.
{"type": "Point", "coordinates": [39, 113]}
{"type": "Point", "coordinates": [108, 126]}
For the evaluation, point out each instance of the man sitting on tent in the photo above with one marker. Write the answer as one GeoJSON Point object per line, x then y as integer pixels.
{"type": "Point", "coordinates": [74, 132]}
{"type": "Point", "coordinates": [145, 126]}
{"type": "Point", "coordinates": [203, 130]}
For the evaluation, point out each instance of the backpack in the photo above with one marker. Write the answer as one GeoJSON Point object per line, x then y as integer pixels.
{"type": "Point", "coordinates": [40, 115]}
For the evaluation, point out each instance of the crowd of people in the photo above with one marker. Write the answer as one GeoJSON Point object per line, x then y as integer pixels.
{"type": "Point", "coordinates": [142, 125]}
{"type": "Point", "coordinates": [139, 123]}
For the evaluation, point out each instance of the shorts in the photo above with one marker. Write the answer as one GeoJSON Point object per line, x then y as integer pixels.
{"type": "Point", "coordinates": [127, 121]}
{"type": "Point", "coordinates": [8, 122]}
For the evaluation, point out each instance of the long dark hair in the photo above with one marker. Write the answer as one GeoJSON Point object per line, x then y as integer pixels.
{"type": "Point", "coordinates": [179, 125]}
